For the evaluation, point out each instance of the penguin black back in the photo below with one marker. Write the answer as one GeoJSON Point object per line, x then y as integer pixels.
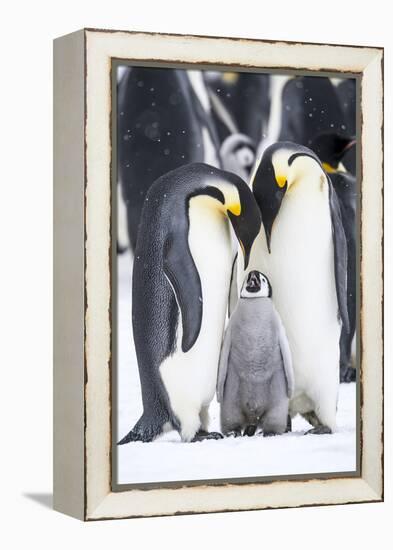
{"type": "Point", "coordinates": [344, 185]}
{"type": "Point", "coordinates": [246, 98]}
{"type": "Point", "coordinates": [158, 130]}
{"type": "Point", "coordinates": [346, 92]}
{"type": "Point", "coordinates": [310, 106]}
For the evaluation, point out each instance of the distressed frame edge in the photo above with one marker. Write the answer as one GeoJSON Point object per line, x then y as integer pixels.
{"type": "Point", "coordinates": [69, 277]}
{"type": "Point", "coordinates": [375, 490]}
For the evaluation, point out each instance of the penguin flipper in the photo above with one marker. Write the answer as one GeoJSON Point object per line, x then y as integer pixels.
{"type": "Point", "coordinates": [233, 294]}
{"type": "Point", "coordinates": [340, 255]}
{"type": "Point", "coordinates": [286, 357]}
{"type": "Point", "coordinates": [182, 274]}
{"type": "Point", "coordinates": [223, 364]}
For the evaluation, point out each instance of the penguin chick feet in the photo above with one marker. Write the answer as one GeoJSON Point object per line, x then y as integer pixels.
{"type": "Point", "coordinates": [234, 433]}
{"type": "Point", "coordinates": [270, 433]}
{"type": "Point", "coordinates": [203, 434]}
{"type": "Point", "coordinates": [250, 430]}
{"type": "Point", "coordinates": [319, 430]}
{"type": "Point", "coordinates": [347, 374]}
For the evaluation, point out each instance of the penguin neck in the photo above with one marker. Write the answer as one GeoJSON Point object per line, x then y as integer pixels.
{"type": "Point", "coordinates": [311, 183]}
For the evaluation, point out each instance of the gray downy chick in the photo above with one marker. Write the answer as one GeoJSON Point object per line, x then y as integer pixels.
{"type": "Point", "coordinates": [255, 377]}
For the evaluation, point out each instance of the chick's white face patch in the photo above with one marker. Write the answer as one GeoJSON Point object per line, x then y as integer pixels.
{"type": "Point", "coordinates": [256, 285]}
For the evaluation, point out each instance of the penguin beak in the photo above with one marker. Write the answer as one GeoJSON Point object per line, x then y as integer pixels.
{"type": "Point", "coordinates": [246, 259]}
{"type": "Point", "coordinates": [243, 234]}
{"type": "Point", "coordinates": [246, 255]}
{"type": "Point", "coordinates": [245, 218]}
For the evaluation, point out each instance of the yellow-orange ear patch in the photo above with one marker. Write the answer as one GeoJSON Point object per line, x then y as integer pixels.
{"type": "Point", "coordinates": [235, 208]}
{"type": "Point", "coordinates": [328, 168]}
{"type": "Point", "coordinates": [281, 180]}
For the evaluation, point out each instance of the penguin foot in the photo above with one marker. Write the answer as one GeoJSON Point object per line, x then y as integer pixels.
{"type": "Point", "coordinates": [234, 433]}
{"type": "Point", "coordinates": [289, 424]}
{"type": "Point", "coordinates": [120, 249]}
{"type": "Point", "coordinates": [134, 435]}
{"type": "Point", "coordinates": [203, 434]}
{"type": "Point", "coordinates": [250, 430]}
{"type": "Point", "coordinates": [269, 434]}
{"type": "Point", "coordinates": [144, 431]}
{"type": "Point", "coordinates": [347, 374]}
{"type": "Point", "coordinates": [319, 430]}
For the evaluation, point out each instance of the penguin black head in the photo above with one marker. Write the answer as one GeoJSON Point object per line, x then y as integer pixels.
{"type": "Point", "coordinates": [330, 148]}
{"type": "Point", "coordinates": [233, 198]}
{"type": "Point", "coordinates": [256, 285]}
{"type": "Point", "coordinates": [244, 216]}
{"type": "Point", "coordinates": [281, 166]}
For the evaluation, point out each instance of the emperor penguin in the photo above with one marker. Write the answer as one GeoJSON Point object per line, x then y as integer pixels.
{"type": "Point", "coordinates": [347, 94]}
{"type": "Point", "coordinates": [181, 278]}
{"type": "Point", "coordinates": [302, 249]}
{"type": "Point", "coordinates": [255, 376]}
{"type": "Point", "coordinates": [240, 100]}
{"type": "Point", "coordinates": [310, 106]}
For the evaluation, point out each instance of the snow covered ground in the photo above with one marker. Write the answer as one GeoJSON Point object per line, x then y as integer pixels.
{"type": "Point", "coordinates": [168, 459]}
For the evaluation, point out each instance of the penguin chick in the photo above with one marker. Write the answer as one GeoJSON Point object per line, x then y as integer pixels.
{"type": "Point", "coordinates": [255, 376]}
{"type": "Point", "coordinates": [238, 155]}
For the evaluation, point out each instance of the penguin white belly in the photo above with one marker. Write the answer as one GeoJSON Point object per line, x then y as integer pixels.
{"type": "Point", "coordinates": [301, 270]}
{"type": "Point", "coordinates": [190, 378]}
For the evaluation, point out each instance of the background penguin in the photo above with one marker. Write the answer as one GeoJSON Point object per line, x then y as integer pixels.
{"type": "Point", "coordinates": [310, 106]}
{"type": "Point", "coordinates": [255, 377]}
{"type": "Point", "coordinates": [241, 103]}
{"type": "Point", "coordinates": [181, 278]}
{"type": "Point", "coordinates": [161, 126]}
{"type": "Point", "coordinates": [346, 92]}
{"type": "Point", "coordinates": [303, 252]}
{"type": "Point", "coordinates": [238, 155]}
{"type": "Point", "coordinates": [345, 187]}
{"type": "Point", "coordinates": [330, 149]}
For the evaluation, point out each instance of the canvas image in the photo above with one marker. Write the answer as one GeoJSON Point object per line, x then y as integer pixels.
{"type": "Point", "coordinates": [235, 275]}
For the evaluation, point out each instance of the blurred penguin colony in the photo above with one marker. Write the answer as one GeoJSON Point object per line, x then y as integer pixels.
{"type": "Point", "coordinates": [168, 118]}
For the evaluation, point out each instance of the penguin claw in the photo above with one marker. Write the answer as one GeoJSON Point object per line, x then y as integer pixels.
{"type": "Point", "coordinates": [202, 435]}
{"type": "Point", "coordinates": [145, 435]}
{"type": "Point", "coordinates": [319, 430]}
{"type": "Point", "coordinates": [347, 374]}
{"type": "Point", "coordinates": [233, 433]}
{"type": "Point", "coordinates": [250, 430]}
{"type": "Point", "coordinates": [131, 436]}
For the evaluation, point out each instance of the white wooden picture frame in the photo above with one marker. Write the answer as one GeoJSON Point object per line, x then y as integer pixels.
{"type": "Point", "coordinates": [83, 246]}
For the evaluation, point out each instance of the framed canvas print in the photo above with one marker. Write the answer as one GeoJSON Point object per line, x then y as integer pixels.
{"type": "Point", "coordinates": [218, 336]}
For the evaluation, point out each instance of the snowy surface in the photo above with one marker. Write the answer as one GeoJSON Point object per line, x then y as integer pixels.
{"type": "Point", "coordinates": [168, 459]}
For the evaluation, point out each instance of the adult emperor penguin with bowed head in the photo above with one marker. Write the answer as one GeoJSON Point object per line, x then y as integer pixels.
{"type": "Point", "coordinates": [302, 249]}
{"type": "Point", "coordinates": [181, 278]}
